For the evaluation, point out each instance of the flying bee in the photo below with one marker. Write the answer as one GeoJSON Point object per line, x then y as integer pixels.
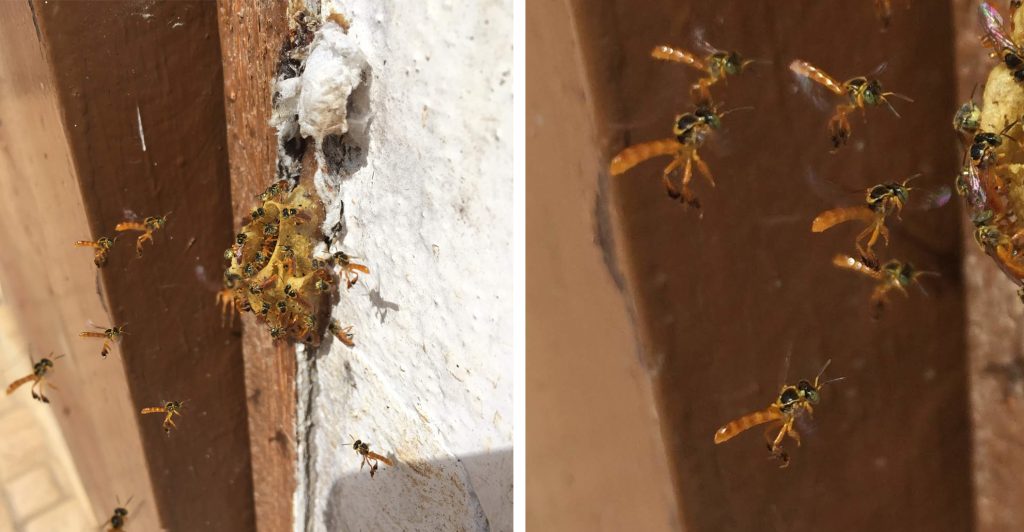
{"type": "Point", "coordinates": [690, 130]}
{"type": "Point", "coordinates": [147, 227]}
{"type": "Point", "coordinates": [791, 402]}
{"type": "Point", "coordinates": [37, 377]}
{"type": "Point", "coordinates": [891, 275]}
{"type": "Point", "coordinates": [102, 249]}
{"type": "Point", "coordinates": [859, 92]}
{"type": "Point", "coordinates": [716, 66]}
{"type": "Point", "coordinates": [169, 408]}
{"type": "Point", "coordinates": [997, 38]}
{"type": "Point", "coordinates": [112, 334]}
{"type": "Point", "coordinates": [344, 334]}
{"type": "Point", "coordinates": [226, 299]}
{"type": "Point", "coordinates": [880, 201]}
{"type": "Point", "coordinates": [349, 269]}
{"type": "Point", "coordinates": [883, 9]}
{"type": "Point", "coordinates": [363, 449]}
{"type": "Point", "coordinates": [119, 519]}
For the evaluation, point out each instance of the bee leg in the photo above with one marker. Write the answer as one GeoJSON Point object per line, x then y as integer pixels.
{"type": "Point", "coordinates": [839, 126]}
{"type": "Point", "coordinates": [148, 235]}
{"type": "Point", "coordinates": [32, 389]}
{"type": "Point", "coordinates": [687, 197]}
{"type": "Point", "coordinates": [666, 177]}
{"type": "Point", "coordinates": [878, 299]}
{"type": "Point", "coordinates": [106, 349]}
{"type": "Point", "coordinates": [701, 91]}
{"type": "Point", "coordinates": [796, 436]}
{"type": "Point", "coordinates": [768, 437]}
{"type": "Point", "coordinates": [702, 167]}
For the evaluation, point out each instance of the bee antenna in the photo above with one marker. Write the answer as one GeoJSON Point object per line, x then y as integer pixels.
{"type": "Point", "coordinates": [56, 358]}
{"type": "Point", "coordinates": [744, 108]}
{"type": "Point", "coordinates": [837, 379]}
{"type": "Point", "coordinates": [822, 372]}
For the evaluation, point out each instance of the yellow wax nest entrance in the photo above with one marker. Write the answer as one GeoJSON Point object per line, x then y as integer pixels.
{"type": "Point", "coordinates": [272, 272]}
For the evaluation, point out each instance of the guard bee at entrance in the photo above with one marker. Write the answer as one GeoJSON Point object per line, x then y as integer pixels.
{"type": "Point", "coordinates": [101, 249]}
{"type": "Point", "coordinates": [363, 449]}
{"type": "Point", "coordinates": [859, 93]}
{"type": "Point", "coordinates": [891, 275]}
{"type": "Point", "coordinates": [37, 377]}
{"type": "Point", "coordinates": [111, 334]}
{"type": "Point", "coordinates": [967, 120]}
{"type": "Point", "coordinates": [880, 201]}
{"type": "Point", "coordinates": [792, 401]}
{"type": "Point", "coordinates": [716, 66]}
{"type": "Point", "coordinates": [147, 227]}
{"type": "Point", "coordinates": [690, 131]}
{"type": "Point", "coordinates": [984, 144]}
{"type": "Point", "coordinates": [169, 408]}
{"type": "Point", "coordinates": [997, 38]}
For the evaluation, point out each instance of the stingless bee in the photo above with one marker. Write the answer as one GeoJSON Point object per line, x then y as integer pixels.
{"type": "Point", "coordinates": [120, 517]}
{"type": "Point", "coordinates": [349, 269]}
{"type": "Point", "coordinates": [102, 249]}
{"type": "Point", "coordinates": [891, 275]}
{"type": "Point", "coordinates": [37, 377]}
{"type": "Point", "coordinates": [147, 227]}
{"type": "Point", "coordinates": [344, 334]}
{"type": "Point", "coordinates": [690, 130]}
{"type": "Point", "coordinates": [997, 38]}
{"type": "Point", "coordinates": [111, 334]}
{"type": "Point", "coordinates": [169, 408]}
{"type": "Point", "coordinates": [967, 120]}
{"type": "Point", "coordinates": [275, 190]}
{"type": "Point", "coordinates": [859, 92]}
{"type": "Point", "coordinates": [716, 66]}
{"type": "Point", "coordinates": [880, 201]}
{"type": "Point", "coordinates": [363, 449]}
{"type": "Point", "coordinates": [791, 402]}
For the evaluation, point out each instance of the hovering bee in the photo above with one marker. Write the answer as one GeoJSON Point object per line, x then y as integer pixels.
{"type": "Point", "coordinates": [102, 249]}
{"type": "Point", "coordinates": [112, 334]}
{"type": "Point", "coordinates": [716, 66]}
{"type": "Point", "coordinates": [891, 275]}
{"type": "Point", "coordinates": [170, 408]}
{"type": "Point", "coordinates": [859, 92]}
{"type": "Point", "coordinates": [791, 402]}
{"type": "Point", "coordinates": [349, 269]}
{"type": "Point", "coordinates": [997, 38]}
{"type": "Point", "coordinates": [363, 449]}
{"type": "Point", "coordinates": [344, 334]}
{"type": "Point", "coordinates": [690, 130]}
{"type": "Point", "coordinates": [38, 378]}
{"type": "Point", "coordinates": [147, 227]}
{"type": "Point", "coordinates": [880, 201]}
{"type": "Point", "coordinates": [119, 519]}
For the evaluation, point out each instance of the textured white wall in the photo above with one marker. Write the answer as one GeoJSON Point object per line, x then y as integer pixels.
{"type": "Point", "coordinates": [429, 382]}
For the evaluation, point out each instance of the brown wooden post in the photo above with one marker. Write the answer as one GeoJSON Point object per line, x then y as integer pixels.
{"type": "Point", "coordinates": [252, 33]}
{"type": "Point", "coordinates": [117, 108]}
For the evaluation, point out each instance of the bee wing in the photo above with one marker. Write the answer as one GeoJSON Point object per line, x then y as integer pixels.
{"type": "Point", "coordinates": [879, 69]}
{"type": "Point", "coordinates": [995, 28]}
{"type": "Point", "coordinates": [931, 199]}
{"type": "Point", "coordinates": [702, 42]}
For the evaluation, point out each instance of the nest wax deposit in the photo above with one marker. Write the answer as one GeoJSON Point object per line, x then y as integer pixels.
{"type": "Point", "coordinates": [272, 272]}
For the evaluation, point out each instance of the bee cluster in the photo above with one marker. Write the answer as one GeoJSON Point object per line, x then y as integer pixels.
{"type": "Point", "coordinates": [272, 272]}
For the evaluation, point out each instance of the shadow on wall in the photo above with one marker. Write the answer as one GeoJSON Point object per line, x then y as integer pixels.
{"type": "Point", "coordinates": [434, 495]}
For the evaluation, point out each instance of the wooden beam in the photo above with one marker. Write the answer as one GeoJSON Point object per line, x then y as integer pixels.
{"type": "Point", "coordinates": [252, 33]}
{"type": "Point", "coordinates": [129, 119]}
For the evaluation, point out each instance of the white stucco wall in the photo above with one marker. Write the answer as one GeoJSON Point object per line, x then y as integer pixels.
{"type": "Point", "coordinates": [429, 382]}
